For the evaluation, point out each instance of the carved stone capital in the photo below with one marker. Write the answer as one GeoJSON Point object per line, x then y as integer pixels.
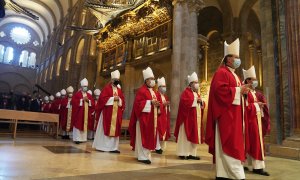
{"type": "Point", "coordinates": [195, 5]}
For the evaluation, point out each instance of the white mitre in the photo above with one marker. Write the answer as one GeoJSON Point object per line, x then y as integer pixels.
{"type": "Point", "coordinates": [63, 92]}
{"type": "Point", "coordinates": [97, 92]}
{"type": "Point", "coordinates": [148, 73]}
{"type": "Point", "coordinates": [250, 73]}
{"type": "Point", "coordinates": [233, 48]}
{"type": "Point", "coordinates": [115, 74]}
{"type": "Point", "coordinates": [84, 82]}
{"type": "Point", "coordinates": [193, 77]}
{"type": "Point", "coordinates": [70, 89]}
{"type": "Point", "coordinates": [161, 82]}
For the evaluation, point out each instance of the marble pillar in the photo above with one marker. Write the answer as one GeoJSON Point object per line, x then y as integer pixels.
{"type": "Point", "coordinates": [292, 11]}
{"type": "Point", "coordinates": [269, 69]}
{"type": "Point", "coordinates": [185, 48]}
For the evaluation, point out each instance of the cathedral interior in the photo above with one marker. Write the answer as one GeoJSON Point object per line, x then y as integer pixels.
{"type": "Point", "coordinates": [48, 45]}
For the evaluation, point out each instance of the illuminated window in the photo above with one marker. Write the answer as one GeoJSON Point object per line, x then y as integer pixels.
{"type": "Point", "coordinates": [79, 52]}
{"type": "Point", "coordinates": [8, 55]}
{"type": "Point", "coordinates": [20, 35]}
{"type": "Point", "coordinates": [68, 60]}
{"type": "Point", "coordinates": [2, 48]}
{"type": "Point", "coordinates": [23, 59]}
{"type": "Point", "coordinates": [32, 60]}
{"type": "Point", "coordinates": [58, 66]}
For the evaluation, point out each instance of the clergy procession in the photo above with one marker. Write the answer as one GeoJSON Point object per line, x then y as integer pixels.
{"type": "Point", "coordinates": [237, 117]}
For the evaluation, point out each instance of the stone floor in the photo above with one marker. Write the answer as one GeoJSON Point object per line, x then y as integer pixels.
{"type": "Point", "coordinates": [46, 158]}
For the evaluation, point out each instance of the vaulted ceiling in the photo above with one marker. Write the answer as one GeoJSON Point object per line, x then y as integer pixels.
{"type": "Point", "coordinates": [50, 13]}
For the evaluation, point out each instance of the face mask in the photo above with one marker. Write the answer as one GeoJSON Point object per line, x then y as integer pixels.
{"type": "Point", "coordinates": [163, 89]}
{"type": "Point", "coordinates": [70, 95]}
{"type": "Point", "coordinates": [196, 86]}
{"type": "Point", "coordinates": [84, 89]}
{"type": "Point", "coordinates": [97, 97]}
{"type": "Point", "coordinates": [254, 84]}
{"type": "Point", "coordinates": [152, 83]}
{"type": "Point", "coordinates": [236, 63]}
{"type": "Point", "coordinates": [116, 82]}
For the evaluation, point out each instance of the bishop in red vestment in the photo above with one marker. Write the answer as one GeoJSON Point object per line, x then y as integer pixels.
{"type": "Point", "coordinates": [143, 120]}
{"type": "Point", "coordinates": [189, 126]}
{"type": "Point", "coordinates": [110, 108]}
{"type": "Point", "coordinates": [81, 103]}
{"type": "Point", "coordinates": [258, 123]}
{"type": "Point", "coordinates": [66, 113]}
{"type": "Point", "coordinates": [225, 126]}
{"type": "Point", "coordinates": [163, 120]}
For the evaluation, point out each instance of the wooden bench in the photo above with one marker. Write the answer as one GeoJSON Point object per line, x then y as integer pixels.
{"type": "Point", "coordinates": [24, 117]}
{"type": "Point", "coordinates": [124, 127]}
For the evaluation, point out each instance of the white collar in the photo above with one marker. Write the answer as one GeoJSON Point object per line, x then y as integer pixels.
{"type": "Point", "coordinates": [231, 69]}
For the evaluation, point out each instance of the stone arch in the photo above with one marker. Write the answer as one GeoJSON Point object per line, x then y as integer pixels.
{"type": "Point", "coordinates": [20, 88]}
{"type": "Point", "coordinates": [210, 18]}
{"type": "Point", "coordinates": [4, 87]}
{"type": "Point", "coordinates": [15, 74]}
{"type": "Point", "coordinates": [80, 46]}
{"type": "Point", "coordinates": [227, 16]}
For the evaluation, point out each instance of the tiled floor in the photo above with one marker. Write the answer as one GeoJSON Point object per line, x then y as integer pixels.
{"type": "Point", "coordinates": [46, 158]}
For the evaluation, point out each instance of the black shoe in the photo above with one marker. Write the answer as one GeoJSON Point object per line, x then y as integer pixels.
{"type": "Point", "coordinates": [160, 151]}
{"type": "Point", "coordinates": [77, 142]}
{"type": "Point", "coordinates": [261, 172]}
{"type": "Point", "coordinates": [145, 161]}
{"type": "Point", "coordinates": [193, 157]}
{"type": "Point", "coordinates": [67, 137]}
{"type": "Point", "coordinates": [221, 178]}
{"type": "Point", "coordinates": [115, 151]}
{"type": "Point", "coordinates": [246, 169]}
{"type": "Point", "coordinates": [182, 157]}
{"type": "Point", "coordinates": [63, 137]}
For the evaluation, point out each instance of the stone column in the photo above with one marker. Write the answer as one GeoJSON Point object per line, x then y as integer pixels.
{"type": "Point", "coordinates": [268, 57]}
{"type": "Point", "coordinates": [205, 50]}
{"type": "Point", "coordinates": [99, 65]}
{"type": "Point", "coordinates": [176, 58]}
{"type": "Point", "coordinates": [128, 85]}
{"type": "Point", "coordinates": [260, 73]}
{"type": "Point", "coordinates": [293, 65]}
{"type": "Point", "coordinates": [251, 52]}
{"type": "Point", "coordinates": [185, 48]}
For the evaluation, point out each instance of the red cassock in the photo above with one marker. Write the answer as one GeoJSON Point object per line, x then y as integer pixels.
{"type": "Point", "coordinates": [78, 111]}
{"type": "Point", "coordinates": [55, 108]}
{"type": "Point", "coordinates": [188, 115]}
{"type": "Point", "coordinates": [106, 94]}
{"type": "Point", "coordinates": [253, 141]}
{"type": "Point", "coordinates": [146, 120]}
{"type": "Point", "coordinates": [91, 121]}
{"type": "Point", "coordinates": [229, 116]}
{"type": "Point", "coordinates": [46, 108]}
{"type": "Point", "coordinates": [163, 120]}
{"type": "Point", "coordinates": [63, 115]}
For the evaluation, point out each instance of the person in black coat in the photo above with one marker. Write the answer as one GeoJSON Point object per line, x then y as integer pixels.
{"type": "Point", "coordinates": [35, 103]}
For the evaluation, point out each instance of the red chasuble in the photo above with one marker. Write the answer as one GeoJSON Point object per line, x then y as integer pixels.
{"type": "Point", "coordinates": [254, 142]}
{"type": "Point", "coordinates": [63, 115]}
{"type": "Point", "coordinates": [78, 109]}
{"type": "Point", "coordinates": [46, 108]}
{"type": "Point", "coordinates": [55, 107]}
{"type": "Point", "coordinates": [188, 115]}
{"type": "Point", "coordinates": [146, 120]}
{"type": "Point", "coordinates": [163, 119]}
{"type": "Point", "coordinates": [229, 116]}
{"type": "Point", "coordinates": [111, 122]}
